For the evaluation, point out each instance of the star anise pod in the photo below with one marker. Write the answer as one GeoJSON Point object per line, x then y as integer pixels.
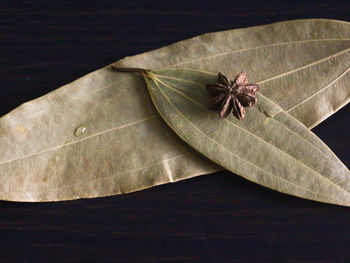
{"type": "Point", "coordinates": [232, 95]}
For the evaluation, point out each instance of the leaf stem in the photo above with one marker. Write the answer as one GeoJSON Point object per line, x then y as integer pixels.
{"type": "Point", "coordinates": [138, 70]}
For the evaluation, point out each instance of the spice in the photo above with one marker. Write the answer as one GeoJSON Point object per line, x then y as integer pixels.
{"type": "Point", "coordinates": [232, 95]}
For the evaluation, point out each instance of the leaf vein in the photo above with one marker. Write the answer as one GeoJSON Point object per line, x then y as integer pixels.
{"type": "Point", "coordinates": [113, 175]}
{"type": "Point", "coordinates": [83, 139]}
{"type": "Point", "coordinates": [320, 90]}
{"type": "Point", "coordinates": [259, 47]}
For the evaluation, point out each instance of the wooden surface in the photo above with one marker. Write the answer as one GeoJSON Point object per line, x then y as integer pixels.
{"type": "Point", "coordinates": [214, 218]}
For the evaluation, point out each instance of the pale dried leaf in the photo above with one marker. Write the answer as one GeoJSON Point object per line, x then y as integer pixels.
{"type": "Point", "coordinates": [125, 146]}
{"type": "Point", "coordinates": [264, 147]}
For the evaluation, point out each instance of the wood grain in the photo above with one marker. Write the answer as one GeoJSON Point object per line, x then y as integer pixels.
{"type": "Point", "coordinates": [213, 218]}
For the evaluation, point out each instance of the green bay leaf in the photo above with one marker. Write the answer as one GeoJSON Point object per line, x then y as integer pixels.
{"type": "Point", "coordinates": [265, 147]}
{"type": "Point", "coordinates": [101, 135]}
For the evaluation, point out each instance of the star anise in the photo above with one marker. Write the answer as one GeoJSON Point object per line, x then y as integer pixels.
{"type": "Point", "coordinates": [232, 95]}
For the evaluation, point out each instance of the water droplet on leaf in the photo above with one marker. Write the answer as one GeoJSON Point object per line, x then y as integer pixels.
{"type": "Point", "coordinates": [79, 130]}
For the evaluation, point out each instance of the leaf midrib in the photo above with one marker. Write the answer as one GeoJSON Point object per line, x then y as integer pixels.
{"type": "Point", "coordinates": [260, 47]}
{"type": "Point", "coordinates": [84, 139]}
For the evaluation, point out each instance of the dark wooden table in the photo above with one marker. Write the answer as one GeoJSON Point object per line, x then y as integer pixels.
{"type": "Point", "coordinates": [214, 218]}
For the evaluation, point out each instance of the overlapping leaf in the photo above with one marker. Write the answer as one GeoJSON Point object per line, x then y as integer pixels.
{"type": "Point", "coordinates": [268, 147]}
{"type": "Point", "coordinates": [123, 145]}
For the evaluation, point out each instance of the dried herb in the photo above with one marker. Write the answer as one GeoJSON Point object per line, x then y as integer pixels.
{"type": "Point", "coordinates": [122, 145]}
{"type": "Point", "coordinates": [232, 95]}
{"type": "Point", "coordinates": [270, 147]}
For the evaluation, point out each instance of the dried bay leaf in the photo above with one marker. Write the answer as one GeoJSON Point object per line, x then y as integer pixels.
{"type": "Point", "coordinates": [264, 147]}
{"type": "Point", "coordinates": [123, 145]}
{"type": "Point", "coordinates": [302, 65]}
